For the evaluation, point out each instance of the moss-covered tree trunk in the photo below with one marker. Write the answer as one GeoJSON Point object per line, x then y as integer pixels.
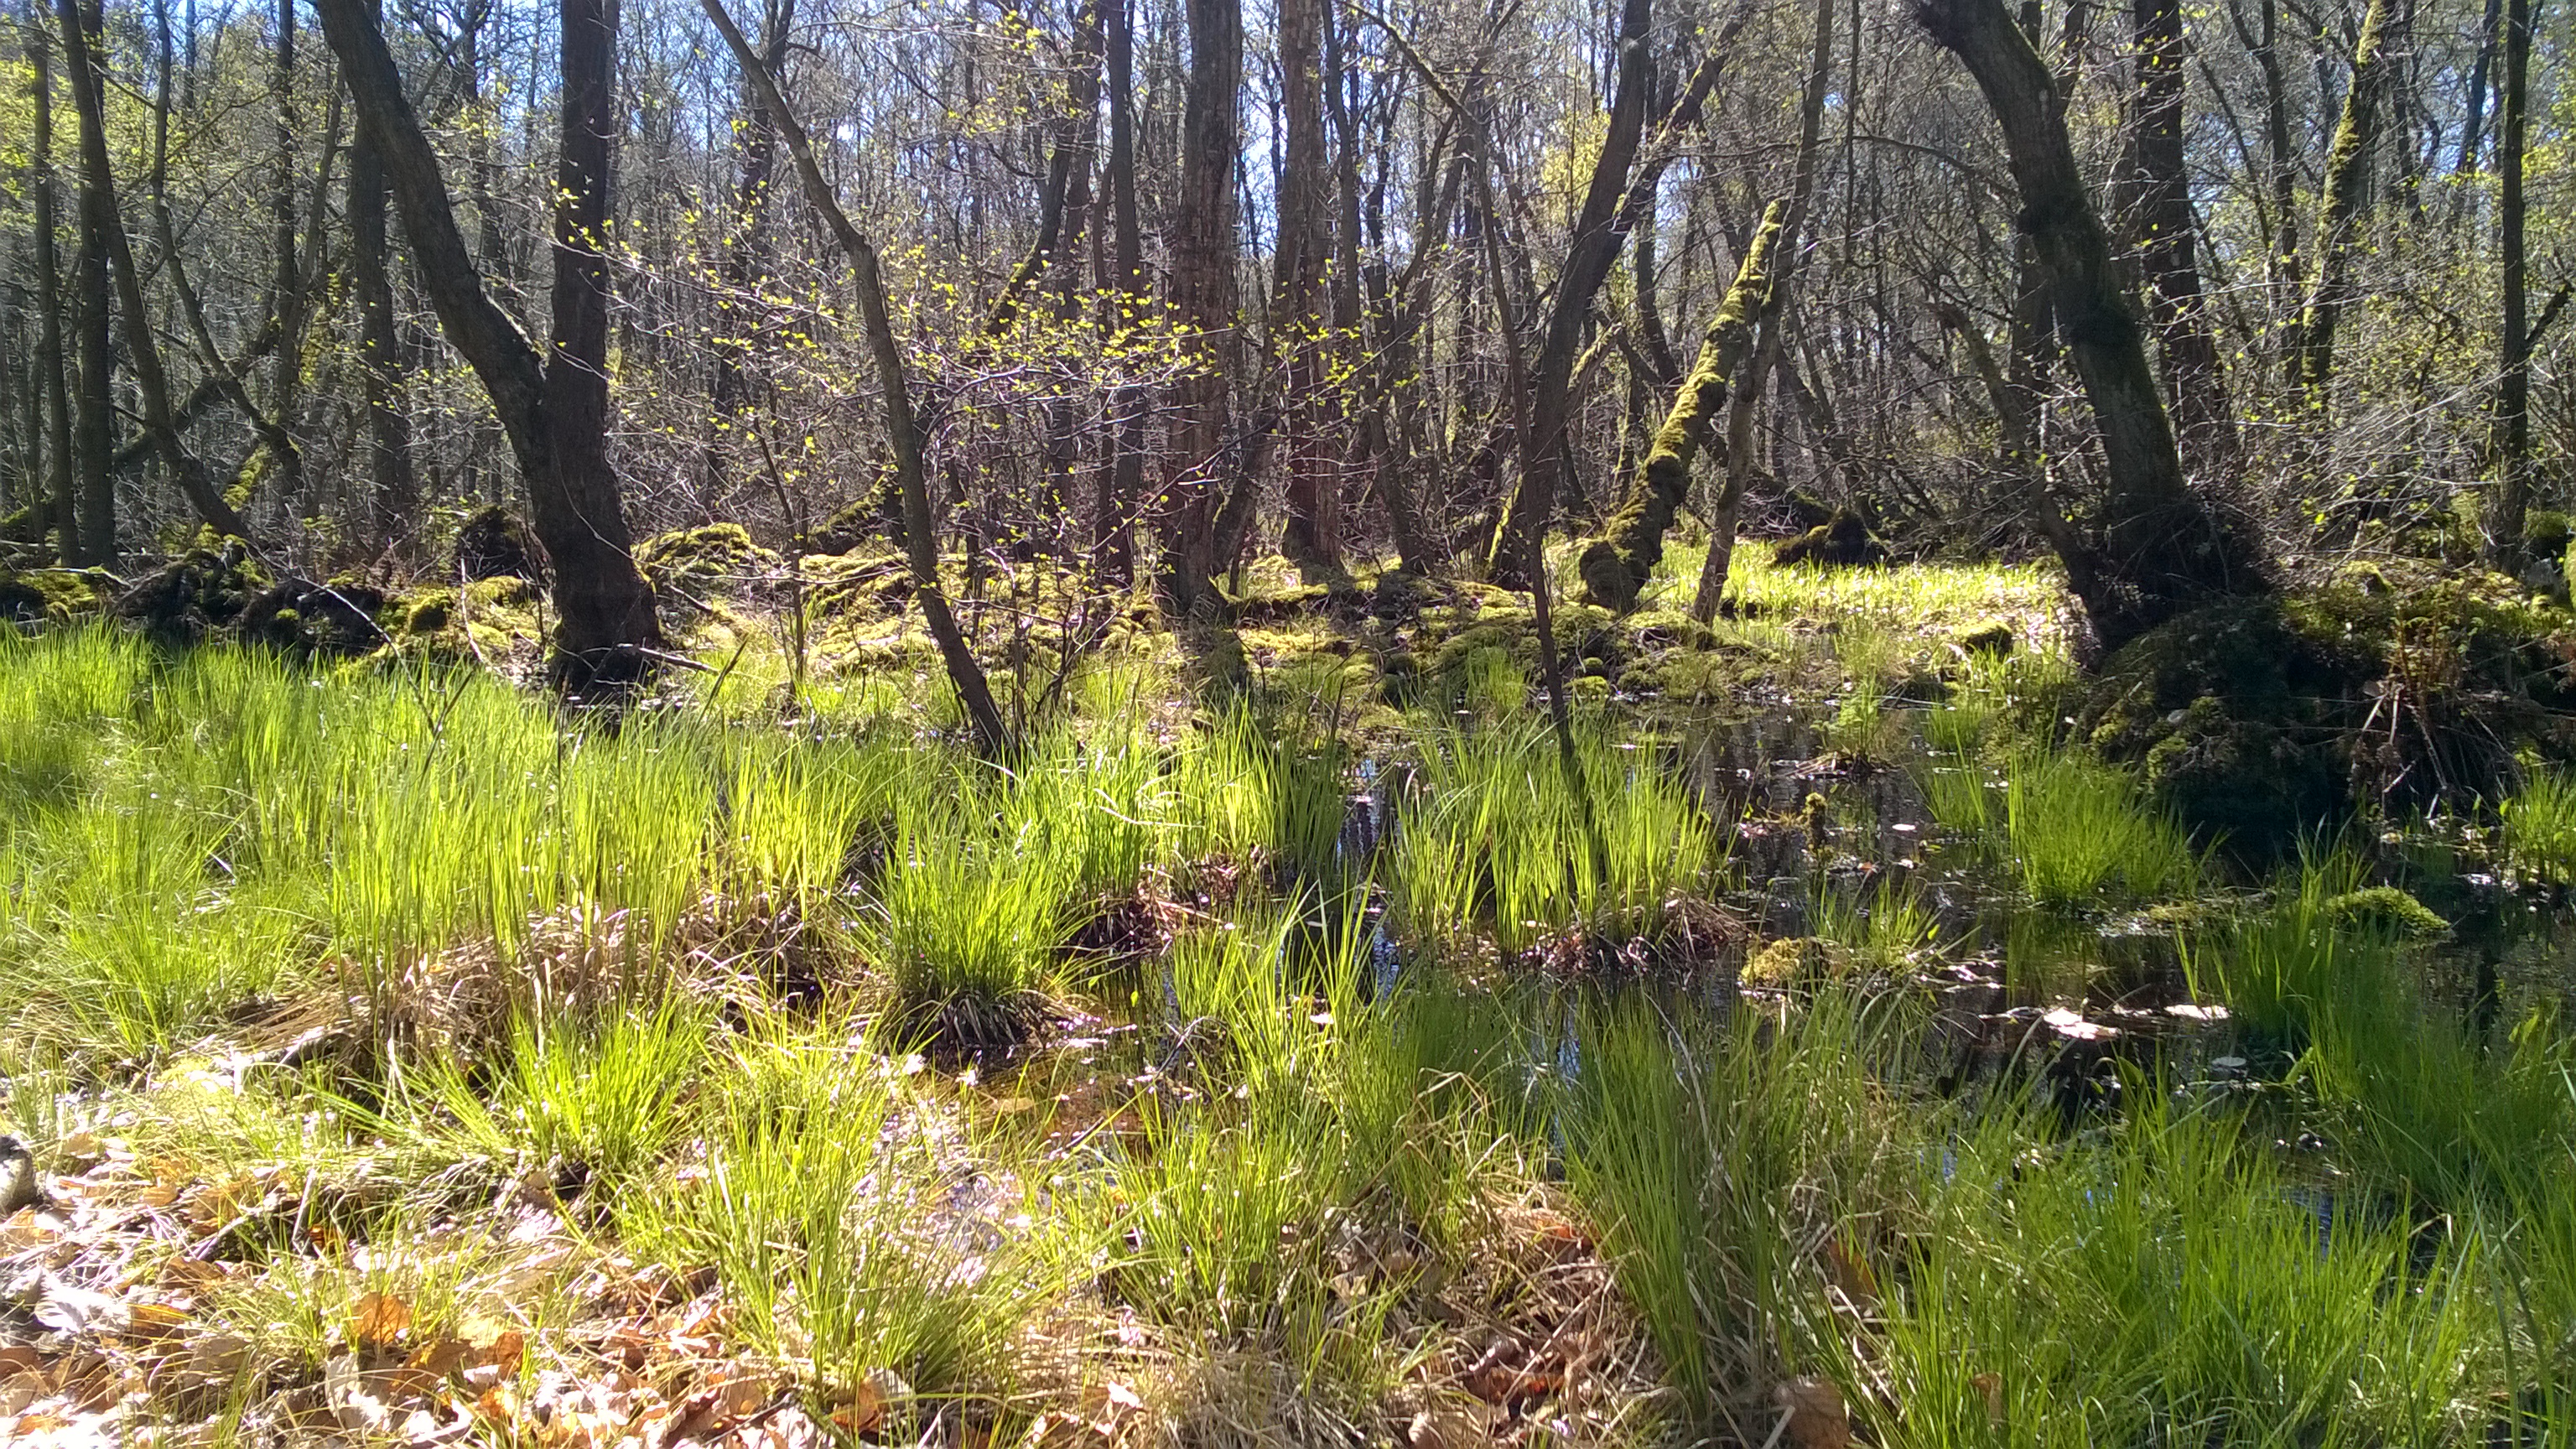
{"type": "Point", "coordinates": [1616, 565]}
{"type": "Point", "coordinates": [2339, 205]}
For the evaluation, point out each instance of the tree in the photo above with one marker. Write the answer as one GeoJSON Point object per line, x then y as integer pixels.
{"type": "Point", "coordinates": [1616, 565]}
{"type": "Point", "coordinates": [94, 356]}
{"type": "Point", "coordinates": [394, 490]}
{"type": "Point", "coordinates": [55, 444]}
{"type": "Point", "coordinates": [554, 407]}
{"type": "Point", "coordinates": [98, 191]}
{"type": "Point", "coordinates": [1203, 246]}
{"type": "Point", "coordinates": [1313, 536]}
{"type": "Point", "coordinates": [2511, 500]}
{"type": "Point", "coordinates": [2339, 204]}
{"type": "Point", "coordinates": [903, 432]}
{"type": "Point", "coordinates": [2160, 213]}
{"type": "Point", "coordinates": [2163, 549]}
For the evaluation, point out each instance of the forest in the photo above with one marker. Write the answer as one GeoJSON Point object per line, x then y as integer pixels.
{"type": "Point", "coordinates": [1448, 724]}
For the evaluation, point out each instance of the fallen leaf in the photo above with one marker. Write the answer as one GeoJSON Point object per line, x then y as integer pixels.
{"type": "Point", "coordinates": [1991, 1385]}
{"type": "Point", "coordinates": [1450, 1426]}
{"type": "Point", "coordinates": [378, 1320]}
{"type": "Point", "coordinates": [1817, 1418]}
{"type": "Point", "coordinates": [1122, 1397]}
{"type": "Point", "coordinates": [149, 1321]}
{"type": "Point", "coordinates": [1851, 1274]}
{"type": "Point", "coordinates": [219, 1355]}
{"type": "Point", "coordinates": [504, 1351]}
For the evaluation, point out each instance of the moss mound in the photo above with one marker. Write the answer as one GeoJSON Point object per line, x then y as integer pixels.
{"type": "Point", "coordinates": [856, 524]}
{"type": "Point", "coordinates": [192, 597]}
{"type": "Point", "coordinates": [2387, 910]}
{"type": "Point", "coordinates": [482, 621]}
{"type": "Point", "coordinates": [492, 544]}
{"type": "Point", "coordinates": [307, 619]}
{"type": "Point", "coordinates": [1842, 541]}
{"type": "Point", "coordinates": [30, 597]}
{"type": "Point", "coordinates": [717, 560]}
{"type": "Point", "coordinates": [2392, 688]}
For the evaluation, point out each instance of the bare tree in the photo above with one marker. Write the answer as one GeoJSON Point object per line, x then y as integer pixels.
{"type": "Point", "coordinates": [554, 406]}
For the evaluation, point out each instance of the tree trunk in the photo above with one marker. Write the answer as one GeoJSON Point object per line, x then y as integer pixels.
{"type": "Point", "coordinates": [2164, 549]}
{"type": "Point", "coordinates": [746, 261]}
{"type": "Point", "coordinates": [394, 489]}
{"type": "Point", "coordinates": [1122, 482]}
{"type": "Point", "coordinates": [57, 498]}
{"type": "Point", "coordinates": [903, 433]}
{"type": "Point", "coordinates": [81, 57]}
{"type": "Point", "coordinates": [1312, 538]}
{"type": "Point", "coordinates": [2204, 420]}
{"type": "Point", "coordinates": [1204, 250]}
{"type": "Point", "coordinates": [1595, 246]}
{"type": "Point", "coordinates": [287, 281]}
{"type": "Point", "coordinates": [2339, 206]}
{"type": "Point", "coordinates": [1725, 512]}
{"type": "Point", "coordinates": [93, 316]}
{"type": "Point", "coordinates": [1616, 566]}
{"type": "Point", "coordinates": [2511, 500]}
{"type": "Point", "coordinates": [553, 408]}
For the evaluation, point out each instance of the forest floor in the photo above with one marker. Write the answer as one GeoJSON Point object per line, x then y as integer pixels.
{"type": "Point", "coordinates": [1291, 1046]}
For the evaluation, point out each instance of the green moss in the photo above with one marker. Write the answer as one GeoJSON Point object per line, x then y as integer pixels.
{"type": "Point", "coordinates": [2385, 909]}
{"type": "Point", "coordinates": [426, 612]}
{"type": "Point", "coordinates": [1615, 567]}
{"type": "Point", "coordinates": [1797, 961]}
{"type": "Point", "coordinates": [2391, 687]}
{"type": "Point", "coordinates": [51, 596]}
{"type": "Point", "coordinates": [718, 560]}
{"type": "Point", "coordinates": [1993, 640]}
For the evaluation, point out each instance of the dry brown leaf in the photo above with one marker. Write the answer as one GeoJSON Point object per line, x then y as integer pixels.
{"type": "Point", "coordinates": [148, 1320]}
{"type": "Point", "coordinates": [1851, 1274]}
{"type": "Point", "coordinates": [1991, 1385]}
{"type": "Point", "coordinates": [1450, 1426]}
{"type": "Point", "coordinates": [19, 1358]}
{"type": "Point", "coordinates": [1817, 1417]}
{"type": "Point", "coordinates": [219, 1355]}
{"type": "Point", "coordinates": [378, 1320]}
{"type": "Point", "coordinates": [503, 1351]}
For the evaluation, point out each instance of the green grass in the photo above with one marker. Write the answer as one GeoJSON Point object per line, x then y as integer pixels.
{"type": "Point", "coordinates": [2077, 830]}
{"type": "Point", "coordinates": [1498, 846]}
{"type": "Point", "coordinates": [2540, 826]}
